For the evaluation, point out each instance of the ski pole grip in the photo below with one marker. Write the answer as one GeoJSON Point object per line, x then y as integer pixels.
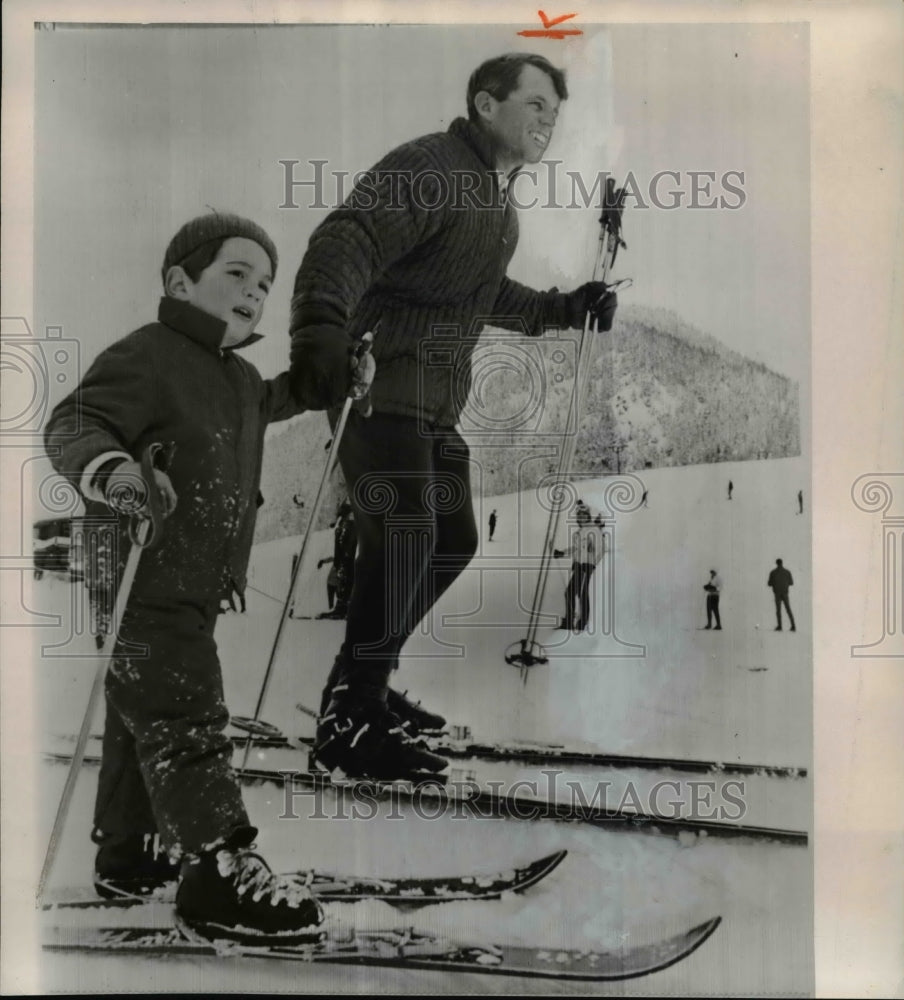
{"type": "Point", "coordinates": [362, 399]}
{"type": "Point", "coordinates": [155, 456]}
{"type": "Point", "coordinates": [364, 345]}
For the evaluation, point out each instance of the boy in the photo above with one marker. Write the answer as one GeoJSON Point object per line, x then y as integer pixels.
{"type": "Point", "coordinates": [166, 775]}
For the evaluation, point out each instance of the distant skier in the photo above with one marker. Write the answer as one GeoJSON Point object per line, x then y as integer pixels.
{"type": "Point", "coordinates": [586, 550]}
{"type": "Point", "coordinates": [643, 499]}
{"type": "Point", "coordinates": [780, 580]}
{"type": "Point", "coordinates": [227, 604]}
{"type": "Point", "coordinates": [730, 488]}
{"type": "Point", "coordinates": [800, 501]}
{"type": "Point", "coordinates": [713, 588]}
{"type": "Point", "coordinates": [492, 523]}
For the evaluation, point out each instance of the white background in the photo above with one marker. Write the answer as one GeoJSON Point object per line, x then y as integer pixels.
{"type": "Point", "coordinates": [855, 138]}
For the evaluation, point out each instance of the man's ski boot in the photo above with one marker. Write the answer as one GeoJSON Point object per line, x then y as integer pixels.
{"type": "Point", "coordinates": [364, 739]}
{"type": "Point", "coordinates": [416, 719]}
{"type": "Point", "coordinates": [231, 894]}
{"type": "Point", "coordinates": [133, 864]}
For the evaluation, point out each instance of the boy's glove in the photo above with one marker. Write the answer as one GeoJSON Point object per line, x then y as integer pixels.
{"type": "Point", "coordinates": [558, 553]}
{"type": "Point", "coordinates": [125, 491]}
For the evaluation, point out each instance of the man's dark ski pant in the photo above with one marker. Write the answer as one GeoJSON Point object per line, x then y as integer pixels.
{"type": "Point", "coordinates": [410, 488]}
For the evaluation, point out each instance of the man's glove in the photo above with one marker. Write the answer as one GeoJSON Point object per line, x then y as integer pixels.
{"type": "Point", "coordinates": [558, 553]}
{"type": "Point", "coordinates": [595, 298]}
{"type": "Point", "coordinates": [321, 366]}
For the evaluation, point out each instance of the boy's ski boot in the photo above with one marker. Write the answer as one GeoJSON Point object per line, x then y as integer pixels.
{"type": "Point", "coordinates": [231, 894]}
{"type": "Point", "coordinates": [132, 864]}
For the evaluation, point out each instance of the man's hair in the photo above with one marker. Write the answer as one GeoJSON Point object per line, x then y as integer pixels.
{"type": "Point", "coordinates": [499, 77]}
{"type": "Point", "coordinates": [778, 562]}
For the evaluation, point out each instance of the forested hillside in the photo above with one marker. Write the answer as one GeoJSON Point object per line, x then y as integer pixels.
{"type": "Point", "coordinates": [660, 393]}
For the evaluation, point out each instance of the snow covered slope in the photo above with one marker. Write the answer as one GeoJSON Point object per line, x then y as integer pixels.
{"type": "Point", "coordinates": [740, 694]}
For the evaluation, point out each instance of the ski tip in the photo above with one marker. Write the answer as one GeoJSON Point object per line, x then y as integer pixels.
{"type": "Point", "coordinates": [703, 932]}
{"type": "Point", "coordinates": [538, 870]}
{"type": "Point", "coordinates": [551, 861]}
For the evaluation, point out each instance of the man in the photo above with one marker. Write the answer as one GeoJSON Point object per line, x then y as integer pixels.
{"type": "Point", "coordinates": [780, 581]}
{"type": "Point", "coordinates": [492, 523]}
{"type": "Point", "coordinates": [421, 248]}
{"type": "Point", "coordinates": [713, 589]}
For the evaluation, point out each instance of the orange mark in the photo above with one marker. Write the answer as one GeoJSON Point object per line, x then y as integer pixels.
{"type": "Point", "coordinates": [548, 23]}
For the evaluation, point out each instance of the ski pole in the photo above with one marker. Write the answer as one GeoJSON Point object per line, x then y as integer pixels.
{"type": "Point", "coordinates": [145, 533]}
{"type": "Point", "coordinates": [364, 346]}
{"type": "Point", "coordinates": [528, 652]}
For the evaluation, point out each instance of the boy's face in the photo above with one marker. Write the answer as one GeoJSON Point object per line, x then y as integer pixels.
{"type": "Point", "coordinates": [233, 287]}
{"type": "Point", "coordinates": [523, 123]}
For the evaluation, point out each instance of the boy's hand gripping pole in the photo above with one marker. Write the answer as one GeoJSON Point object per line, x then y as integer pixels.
{"type": "Point", "coordinates": [527, 652]}
{"type": "Point", "coordinates": [145, 532]}
{"type": "Point", "coordinates": [254, 725]}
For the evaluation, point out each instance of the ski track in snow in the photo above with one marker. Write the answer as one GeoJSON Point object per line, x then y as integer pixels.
{"type": "Point", "coordinates": [742, 694]}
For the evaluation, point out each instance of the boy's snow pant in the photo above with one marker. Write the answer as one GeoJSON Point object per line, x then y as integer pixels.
{"type": "Point", "coordinates": [167, 763]}
{"type": "Point", "coordinates": [411, 493]}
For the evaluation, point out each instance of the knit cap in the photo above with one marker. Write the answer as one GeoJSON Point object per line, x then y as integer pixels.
{"type": "Point", "coordinates": [215, 226]}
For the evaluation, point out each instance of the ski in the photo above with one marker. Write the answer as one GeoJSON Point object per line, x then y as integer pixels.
{"type": "Point", "coordinates": [547, 753]}
{"type": "Point", "coordinates": [405, 892]}
{"type": "Point", "coordinates": [544, 754]}
{"type": "Point", "coordinates": [268, 737]}
{"type": "Point", "coordinates": [399, 948]}
{"type": "Point", "coordinates": [466, 798]}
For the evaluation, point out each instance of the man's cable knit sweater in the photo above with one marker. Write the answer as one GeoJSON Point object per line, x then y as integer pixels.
{"type": "Point", "coordinates": [421, 247]}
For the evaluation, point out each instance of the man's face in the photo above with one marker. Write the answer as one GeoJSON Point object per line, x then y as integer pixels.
{"type": "Point", "coordinates": [522, 124]}
{"type": "Point", "coordinates": [234, 287]}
